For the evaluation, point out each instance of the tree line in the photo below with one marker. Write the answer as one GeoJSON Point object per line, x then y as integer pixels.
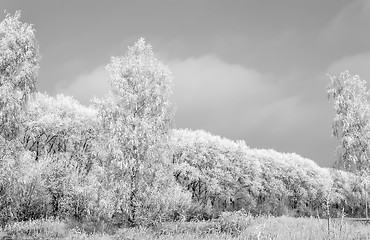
{"type": "Point", "coordinates": [121, 162]}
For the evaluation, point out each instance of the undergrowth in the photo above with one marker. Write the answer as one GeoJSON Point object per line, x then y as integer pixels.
{"type": "Point", "coordinates": [229, 226]}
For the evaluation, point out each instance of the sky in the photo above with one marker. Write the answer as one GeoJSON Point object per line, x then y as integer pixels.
{"type": "Point", "coordinates": [242, 69]}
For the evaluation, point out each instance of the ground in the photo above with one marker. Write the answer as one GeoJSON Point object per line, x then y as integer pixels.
{"type": "Point", "coordinates": [261, 227]}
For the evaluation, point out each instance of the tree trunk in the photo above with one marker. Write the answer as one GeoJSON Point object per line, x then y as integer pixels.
{"type": "Point", "coordinates": [132, 204]}
{"type": "Point", "coordinates": [366, 207]}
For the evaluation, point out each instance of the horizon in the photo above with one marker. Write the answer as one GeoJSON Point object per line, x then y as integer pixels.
{"type": "Point", "coordinates": [246, 70]}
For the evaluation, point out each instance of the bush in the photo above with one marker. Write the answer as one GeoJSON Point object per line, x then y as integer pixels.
{"type": "Point", "coordinates": [235, 222]}
{"type": "Point", "coordinates": [200, 212]}
{"type": "Point", "coordinates": [165, 201]}
{"type": "Point", "coordinates": [73, 191]}
{"type": "Point", "coordinates": [37, 229]}
{"type": "Point", "coordinates": [23, 192]}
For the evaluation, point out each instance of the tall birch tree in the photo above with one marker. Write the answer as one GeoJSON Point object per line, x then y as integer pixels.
{"type": "Point", "coordinates": [349, 96]}
{"type": "Point", "coordinates": [136, 119]}
{"type": "Point", "coordinates": [19, 58]}
{"type": "Point", "coordinates": [19, 66]}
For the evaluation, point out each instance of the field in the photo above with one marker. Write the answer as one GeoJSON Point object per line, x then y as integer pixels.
{"type": "Point", "coordinates": [249, 227]}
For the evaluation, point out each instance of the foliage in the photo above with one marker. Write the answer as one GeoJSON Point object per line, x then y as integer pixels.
{"type": "Point", "coordinates": [351, 122]}
{"type": "Point", "coordinates": [60, 125]}
{"type": "Point", "coordinates": [234, 223]}
{"type": "Point", "coordinates": [290, 180]}
{"type": "Point", "coordinates": [44, 188]}
{"type": "Point", "coordinates": [349, 193]}
{"type": "Point", "coordinates": [136, 119]}
{"type": "Point", "coordinates": [18, 72]}
{"type": "Point", "coordinates": [72, 191]}
{"type": "Point", "coordinates": [207, 166]}
{"type": "Point", "coordinates": [23, 192]}
{"type": "Point", "coordinates": [37, 229]}
{"type": "Point", "coordinates": [120, 162]}
{"type": "Point", "coordinates": [231, 176]}
{"type": "Point", "coordinates": [260, 227]}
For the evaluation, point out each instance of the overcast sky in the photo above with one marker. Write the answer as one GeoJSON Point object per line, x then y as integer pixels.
{"type": "Point", "coordinates": [248, 69]}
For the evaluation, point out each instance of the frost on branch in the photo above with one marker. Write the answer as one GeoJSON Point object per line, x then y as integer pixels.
{"type": "Point", "coordinates": [136, 120]}
{"type": "Point", "coordinates": [349, 97]}
{"type": "Point", "coordinates": [19, 66]}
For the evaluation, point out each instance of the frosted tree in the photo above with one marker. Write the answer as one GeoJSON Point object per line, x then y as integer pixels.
{"type": "Point", "coordinates": [19, 66]}
{"type": "Point", "coordinates": [18, 72]}
{"type": "Point", "coordinates": [349, 96]}
{"type": "Point", "coordinates": [59, 125]}
{"type": "Point", "coordinates": [136, 120]}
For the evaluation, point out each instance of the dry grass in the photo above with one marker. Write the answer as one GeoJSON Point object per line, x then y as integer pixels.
{"type": "Point", "coordinates": [231, 227]}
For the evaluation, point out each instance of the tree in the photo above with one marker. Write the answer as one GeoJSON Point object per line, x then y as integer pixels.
{"type": "Point", "coordinates": [19, 58]}
{"type": "Point", "coordinates": [60, 132]}
{"type": "Point", "coordinates": [19, 66]}
{"type": "Point", "coordinates": [59, 125]}
{"type": "Point", "coordinates": [136, 119]}
{"type": "Point", "coordinates": [349, 95]}
{"type": "Point", "coordinates": [207, 166]}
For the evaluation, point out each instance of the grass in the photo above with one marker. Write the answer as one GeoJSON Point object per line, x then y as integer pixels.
{"type": "Point", "coordinates": [36, 229]}
{"type": "Point", "coordinates": [228, 227]}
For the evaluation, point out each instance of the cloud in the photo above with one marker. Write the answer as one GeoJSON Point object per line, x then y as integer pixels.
{"type": "Point", "coordinates": [226, 96]}
{"type": "Point", "coordinates": [86, 86]}
{"type": "Point", "coordinates": [357, 65]}
{"type": "Point", "coordinates": [217, 91]}
{"type": "Point", "coordinates": [288, 113]}
{"type": "Point", "coordinates": [349, 29]}
{"type": "Point", "coordinates": [232, 100]}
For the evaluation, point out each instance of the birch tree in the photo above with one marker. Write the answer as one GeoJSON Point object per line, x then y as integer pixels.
{"type": "Point", "coordinates": [19, 66]}
{"type": "Point", "coordinates": [349, 96]}
{"type": "Point", "coordinates": [18, 72]}
{"type": "Point", "coordinates": [136, 120]}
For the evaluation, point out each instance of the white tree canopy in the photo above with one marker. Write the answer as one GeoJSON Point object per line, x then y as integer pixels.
{"type": "Point", "coordinates": [19, 66]}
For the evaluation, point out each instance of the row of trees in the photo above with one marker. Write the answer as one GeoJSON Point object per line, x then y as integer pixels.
{"type": "Point", "coordinates": [18, 71]}
{"type": "Point", "coordinates": [228, 176]}
{"type": "Point", "coordinates": [120, 161]}
{"type": "Point", "coordinates": [58, 158]}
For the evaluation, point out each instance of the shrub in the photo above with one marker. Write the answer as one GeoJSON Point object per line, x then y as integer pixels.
{"type": "Point", "coordinates": [235, 222]}
{"type": "Point", "coordinates": [37, 229]}
{"type": "Point", "coordinates": [165, 201]}
{"type": "Point", "coordinates": [199, 212]}
{"type": "Point", "coordinates": [23, 193]}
